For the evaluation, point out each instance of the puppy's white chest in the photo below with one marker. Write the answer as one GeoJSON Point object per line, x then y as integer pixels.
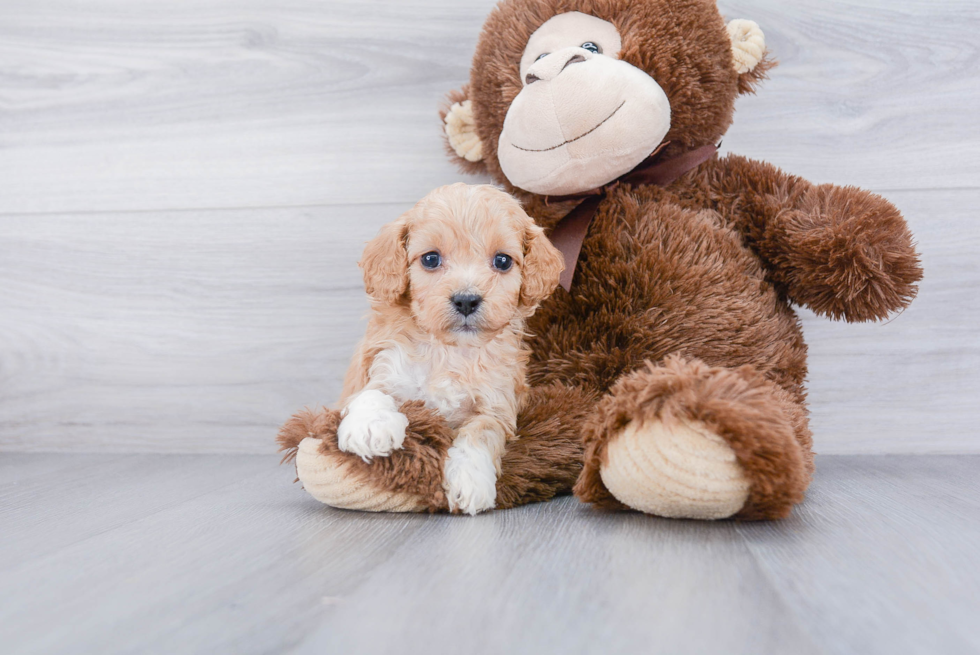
{"type": "Point", "coordinates": [437, 376]}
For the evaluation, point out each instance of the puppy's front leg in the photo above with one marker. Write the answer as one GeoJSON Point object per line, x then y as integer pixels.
{"type": "Point", "coordinates": [372, 425]}
{"type": "Point", "coordinates": [473, 464]}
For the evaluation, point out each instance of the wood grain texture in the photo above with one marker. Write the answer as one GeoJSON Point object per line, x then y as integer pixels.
{"type": "Point", "coordinates": [176, 332]}
{"type": "Point", "coordinates": [177, 264]}
{"type": "Point", "coordinates": [116, 105]}
{"type": "Point", "coordinates": [562, 578]}
{"type": "Point", "coordinates": [42, 515]}
{"type": "Point", "coordinates": [881, 558]}
{"type": "Point", "coordinates": [910, 384]}
{"type": "Point", "coordinates": [203, 331]}
{"type": "Point", "coordinates": [891, 538]}
{"type": "Point", "coordinates": [871, 93]}
{"type": "Point", "coordinates": [242, 565]}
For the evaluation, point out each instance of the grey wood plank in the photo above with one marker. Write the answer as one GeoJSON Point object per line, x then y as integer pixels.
{"type": "Point", "coordinates": [563, 578]}
{"type": "Point", "coordinates": [48, 513]}
{"type": "Point", "coordinates": [246, 568]}
{"type": "Point", "coordinates": [882, 557]}
{"type": "Point", "coordinates": [21, 468]}
{"type": "Point", "coordinates": [913, 383]}
{"type": "Point", "coordinates": [854, 98]}
{"type": "Point", "coordinates": [227, 104]}
{"type": "Point", "coordinates": [213, 103]}
{"type": "Point", "coordinates": [201, 331]}
{"type": "Point", "coordinates": [188, 331]}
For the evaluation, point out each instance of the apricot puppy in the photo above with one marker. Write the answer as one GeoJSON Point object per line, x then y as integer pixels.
{"type": "Point", "coordinates": [451, 283]}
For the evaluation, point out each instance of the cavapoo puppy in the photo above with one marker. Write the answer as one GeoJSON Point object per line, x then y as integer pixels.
{"type": "Point", "coordinates": [451, 283]}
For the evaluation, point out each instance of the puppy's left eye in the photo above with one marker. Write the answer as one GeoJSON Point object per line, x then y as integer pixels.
{"type": "Point", "coordinates": [430, 260]}
{"type": "Point", "coordinates": [502, 262]}
{"type": "Point", "coordinates": [592, 47]}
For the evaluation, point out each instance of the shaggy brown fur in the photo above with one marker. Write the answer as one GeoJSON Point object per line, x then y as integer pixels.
{"type": "Point", "coordinates": [682, 44]}
{"type": "Point", "coordinates": [545, 462]}
{"type": "Point", "coordinates": [415, 468]}
{"type": "Point", "coordinates": [547, 458]}
{"type": "Point", "coordinates": [680, 308]}
{"type": "Point", "coordinates": [761, 422]}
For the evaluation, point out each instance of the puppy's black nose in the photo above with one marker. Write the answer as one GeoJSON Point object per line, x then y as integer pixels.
{"type": "Point", "coordinates": [466, 303]}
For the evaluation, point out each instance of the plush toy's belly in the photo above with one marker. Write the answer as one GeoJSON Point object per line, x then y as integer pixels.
{"type": "Point", "coordinates": [655, 279]}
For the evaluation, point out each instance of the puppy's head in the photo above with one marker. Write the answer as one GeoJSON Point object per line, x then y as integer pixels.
{"type": "Point", "coordinates": [465, 261]}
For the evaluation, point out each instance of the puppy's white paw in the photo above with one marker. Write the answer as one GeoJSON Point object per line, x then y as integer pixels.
{"type": "Point", "coordinates": [470, 479]}
{"type": "Point", "coordinates": [372, 426]}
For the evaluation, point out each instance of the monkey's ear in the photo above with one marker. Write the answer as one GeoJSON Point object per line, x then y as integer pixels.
{"type": "Point", "coordinates": [749, 54]}
{"type": "Point", "coordinates": [385, 263]}
{"type": "Point", "coordinates": [462, 141]}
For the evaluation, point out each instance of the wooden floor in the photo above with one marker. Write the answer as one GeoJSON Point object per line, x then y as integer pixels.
{"type": "Point", "coordinates": [223, 554]}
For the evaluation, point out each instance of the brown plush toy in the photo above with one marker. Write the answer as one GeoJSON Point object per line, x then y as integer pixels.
{"type": "Point", "coordinates": [668, 376]}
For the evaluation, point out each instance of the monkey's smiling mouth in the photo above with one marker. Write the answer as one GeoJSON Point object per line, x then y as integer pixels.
{"type": "Point", "coordinates": [581, 136]}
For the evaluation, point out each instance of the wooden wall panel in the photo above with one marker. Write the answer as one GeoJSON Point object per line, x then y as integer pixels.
{"type": "Point", "coordinates": [119, 105]}
{"type": "Point", "coordinates": [185, 189]}
{"type": "Point", "coordinates": [202, 331]}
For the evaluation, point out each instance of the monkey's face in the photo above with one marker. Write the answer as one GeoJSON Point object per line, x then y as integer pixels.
{"type": "Point", "coordinates": [584, 116]}
{"type": "Point", "coordinates": [568, 95]}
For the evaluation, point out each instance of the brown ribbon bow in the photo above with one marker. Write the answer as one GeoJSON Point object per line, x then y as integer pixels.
{"type": "Point", "coordinates": [570, 231]}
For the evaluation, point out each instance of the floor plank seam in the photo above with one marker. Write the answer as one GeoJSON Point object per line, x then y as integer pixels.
{"type": "Point", "coordinates": [384, 203]}
{"type": "Point", "coordinates": [771, 580]}
{"type": "Point", "coordinates": [196, 210]}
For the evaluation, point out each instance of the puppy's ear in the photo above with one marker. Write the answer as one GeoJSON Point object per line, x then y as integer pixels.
{"type": "Point", "coordinates": [543, 265]}
{"type": "Point", "coordinates": [385, 263]}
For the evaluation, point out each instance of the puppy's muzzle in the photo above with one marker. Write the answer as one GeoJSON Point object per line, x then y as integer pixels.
{"type": "Point", "coordinates": [466, 303]}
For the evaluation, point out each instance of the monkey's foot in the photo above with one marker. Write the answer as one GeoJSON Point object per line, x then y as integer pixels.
{"type": "Point", "coordinates": [333, 480]}
{"type": "Point", "coordinates": [686, 440]}
{"type": "Point", "coordinates": [684, 471]}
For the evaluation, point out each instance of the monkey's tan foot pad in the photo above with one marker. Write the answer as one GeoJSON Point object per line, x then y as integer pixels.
{"type": "Point", "coordinates": [684, 471]}
{"type": "Point", "coordinates": [333, 481]}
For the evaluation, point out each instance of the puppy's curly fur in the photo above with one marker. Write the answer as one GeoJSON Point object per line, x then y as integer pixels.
{"type": "Point", "coordinates": [465, 359]}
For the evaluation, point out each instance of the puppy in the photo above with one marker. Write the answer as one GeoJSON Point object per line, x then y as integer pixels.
{"type": "Point", "coordinates": [450, 283]}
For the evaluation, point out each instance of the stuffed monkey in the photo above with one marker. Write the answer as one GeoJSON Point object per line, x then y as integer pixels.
{"type": "Point", "coordinates": [668, 374]}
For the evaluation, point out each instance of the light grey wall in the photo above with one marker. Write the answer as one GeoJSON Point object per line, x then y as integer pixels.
{"type": "Point", "coordinates": [185, 188]}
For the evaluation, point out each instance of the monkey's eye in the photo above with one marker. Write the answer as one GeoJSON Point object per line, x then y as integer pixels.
{"type": "Point", "coordinates": [430, 260]}
{"type": "Point", "coordinates": [541, 56]}
{"type": "Point", "coordinates": [592, 47]}
{"type": "Point", "coordinates": [502, 262]}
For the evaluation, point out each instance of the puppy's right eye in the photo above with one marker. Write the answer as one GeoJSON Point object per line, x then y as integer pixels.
{"type": "Point", "coordinates": [431, 260]}
{"type": "Point", "coordinates": [502, 262]}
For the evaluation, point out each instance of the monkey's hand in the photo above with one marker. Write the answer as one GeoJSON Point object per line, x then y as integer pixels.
{"type": "Point", "coordinates": [845, 253]}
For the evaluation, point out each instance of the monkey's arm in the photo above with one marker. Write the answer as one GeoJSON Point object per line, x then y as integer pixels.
{"type": "Point", "coordinates": [841, 251]}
